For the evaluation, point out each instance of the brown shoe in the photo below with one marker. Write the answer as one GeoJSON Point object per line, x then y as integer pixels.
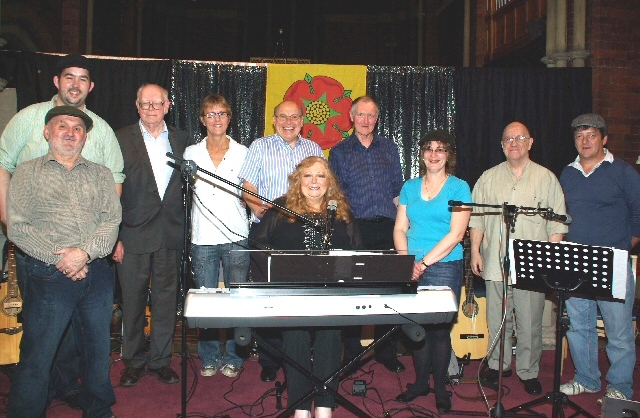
{"type": "Point", "coordinates": [165, 374]}
{"type": "Point", "coordinates": [130, 376]}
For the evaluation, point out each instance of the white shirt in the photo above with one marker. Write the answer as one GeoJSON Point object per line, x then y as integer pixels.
{"type": "Point", "coordinates": [157, 149]}
{"type": "Point", "coordinates": [608, 157]}
{"type": "Point", "coordinates": [217, 216]}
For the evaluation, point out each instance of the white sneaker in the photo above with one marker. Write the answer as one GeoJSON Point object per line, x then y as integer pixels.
{"type": "Point", "coordinates": [208, 371]}
{"type": "Point", "coordinates": [229, 370]}
{"type": "Point", "coordinates": [612, 393]}
{"type": "Point", "coordinates": [574, 388]}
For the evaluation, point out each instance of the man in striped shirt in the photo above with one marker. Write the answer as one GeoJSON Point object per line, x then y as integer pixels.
{"type": "Point", "coordinates": [265, 171]}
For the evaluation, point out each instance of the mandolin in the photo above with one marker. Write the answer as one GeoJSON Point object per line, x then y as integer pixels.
{"type": "Point", "coordinates": [11, 306]}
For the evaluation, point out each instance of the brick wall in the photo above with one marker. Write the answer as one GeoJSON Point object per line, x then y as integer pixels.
{"type": "Point", "coordinates": [613, 36]}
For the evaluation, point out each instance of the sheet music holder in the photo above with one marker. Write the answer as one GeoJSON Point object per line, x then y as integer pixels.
{"type": "Point", "coordinates": [566, 267]}
{"type": "Point", "coordinates": [602, 270]}
{"type": "Point", "coordinates": [338, 272]}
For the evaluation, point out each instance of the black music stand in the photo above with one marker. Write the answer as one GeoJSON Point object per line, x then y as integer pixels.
{"type": "Point", "coordinates": [563, 267]}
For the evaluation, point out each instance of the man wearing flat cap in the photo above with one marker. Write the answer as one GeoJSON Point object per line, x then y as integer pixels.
{"type": "Point", "coordinates": [519, 182]}
{"type": "Point", "coordinates": [21, 141]}
{"type": "Point", "coordinates": [603, 199]}
{"type": "Point", "coordinates": [63, 213]}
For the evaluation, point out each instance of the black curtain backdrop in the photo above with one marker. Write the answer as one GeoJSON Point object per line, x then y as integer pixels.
{"type": "Point", "coordinates": [412, 102]}
{"type": "Point", "coordinates": [474, 103]}
{"type": "Point", "coordinates": [243, 85]}
{"type": "Point", "coordinates": [116, 82]}
{"type": "Point", "coordinates": [544, 99]}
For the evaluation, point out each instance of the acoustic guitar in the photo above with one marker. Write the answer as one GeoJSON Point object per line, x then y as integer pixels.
{"type": "Point", "coordinates": [11, 306]}
{"type": "Point", "coordinates": [470, 335]}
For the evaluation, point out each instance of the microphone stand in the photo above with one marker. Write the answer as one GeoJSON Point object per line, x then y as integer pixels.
{"type": "Point", "coordinates": [509, 213]}
{"type": "Point", "coordinates": [188, 169]}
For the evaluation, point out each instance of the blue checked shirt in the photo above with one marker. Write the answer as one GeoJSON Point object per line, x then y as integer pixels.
{"type": "Point", "coordinates": [269, 162]}
{"type": "Point", "coordinates": [370, 177]}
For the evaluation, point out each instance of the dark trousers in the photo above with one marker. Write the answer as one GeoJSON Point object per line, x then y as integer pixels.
{"type": "Point", "coordinates": [326, 360]}
{"type": "Point", "coordinates": [66, 364]}
{"type": "Point", "coordinates": [377, 235]}
{"type": "Point", "coordinates": [50, 301]}
{"type": "Point", "coordinates": [137, 271]}
{"type": "Point", "coordinates": [258, 273]}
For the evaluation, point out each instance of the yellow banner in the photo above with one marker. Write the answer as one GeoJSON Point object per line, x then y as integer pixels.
{"type": "Point", "coordinates": [324, 91]}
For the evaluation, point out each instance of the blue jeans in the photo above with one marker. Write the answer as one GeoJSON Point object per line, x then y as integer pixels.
{"type": "Point", "coordinates": [583, 340]}
{"type": "Point", "coordinates": [444, 274]}
{"type": "Point", "coordinates": [50, 301]}
{"type": "Point", "coordinates": [66, 365]}
{"type": "Point", "coordinates": [206, 263]}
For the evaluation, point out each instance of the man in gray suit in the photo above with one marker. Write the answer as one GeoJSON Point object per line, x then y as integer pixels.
{"type": "Point", "coordinates": [150, 244]}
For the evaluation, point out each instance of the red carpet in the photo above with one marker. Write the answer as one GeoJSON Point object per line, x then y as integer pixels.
{"type": "Point", "coordinates": [247, 396]}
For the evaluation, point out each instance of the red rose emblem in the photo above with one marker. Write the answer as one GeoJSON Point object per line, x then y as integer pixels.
{"type": "Point", "coordinates": [326, 105]}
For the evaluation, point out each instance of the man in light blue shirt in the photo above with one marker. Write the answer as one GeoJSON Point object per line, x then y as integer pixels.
{"type": "Point", "coordinates": [265, 171]}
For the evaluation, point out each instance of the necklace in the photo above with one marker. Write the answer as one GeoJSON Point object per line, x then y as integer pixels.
{"type": "Point", "coordinates": [435, 190]}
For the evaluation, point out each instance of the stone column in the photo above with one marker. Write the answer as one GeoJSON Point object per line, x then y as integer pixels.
{"type": "Point", "coordinates": [551, 34]}
{"type": "Point", "coordinates": [561, 57]}
{"type": "Point", "coordinates": [579, 52]}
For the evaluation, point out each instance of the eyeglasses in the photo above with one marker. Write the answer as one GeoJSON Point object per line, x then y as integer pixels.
{"type": "Point", "coordinates": [284, 118]}
{"type": "Point", "coordinates": [519, 139]}
{"type": "Point", "coordinates": [366, 115]}
{"type": "Point", "coordinates": [212, 115]}
{"type": "Point", "coordinates": [157, 105]}
{"type": "Point", "coordinates": [439, 151]}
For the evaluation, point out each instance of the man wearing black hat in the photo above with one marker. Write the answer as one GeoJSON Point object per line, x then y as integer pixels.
{"type": "Point", "coordinates": [520, 182]}
{"type": "Point", "coordinates": [63, 213]}
{"type": "Point", "coordinates": [22, 140]}
{"type": "Point", "coordinates": [603, 199]}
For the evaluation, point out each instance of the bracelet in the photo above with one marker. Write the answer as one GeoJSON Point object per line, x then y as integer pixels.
{"type": "Point", "coordinates": [426, 266]}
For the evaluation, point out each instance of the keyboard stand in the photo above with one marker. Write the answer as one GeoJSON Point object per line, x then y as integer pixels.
{"type": "Point", "coordinates": [318, 383]}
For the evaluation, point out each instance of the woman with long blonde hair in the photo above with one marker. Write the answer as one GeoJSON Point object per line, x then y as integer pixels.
{"type": "Point", "coordinates": [311, 187]}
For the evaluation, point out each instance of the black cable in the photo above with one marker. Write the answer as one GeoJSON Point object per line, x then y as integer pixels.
{"type": "Point", "coordinates": [401, 315]}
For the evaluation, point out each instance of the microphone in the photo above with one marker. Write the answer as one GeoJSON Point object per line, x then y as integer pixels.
{"type": "Point", "coordinates": [550, 215]}
{"type": "Point", "coordinates": [331, 218]}
{"type": "Point", "coordinates": [331, 214]}
{"type": "Point", "coordinates": [456, 203]}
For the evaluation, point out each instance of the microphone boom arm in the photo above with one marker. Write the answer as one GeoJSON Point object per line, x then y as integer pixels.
{"type": "Point", "coordinates": [182, 162]}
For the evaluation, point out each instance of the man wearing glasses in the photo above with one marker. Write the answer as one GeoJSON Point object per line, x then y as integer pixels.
{"type": "Point", "coordinates": [368, 167]}
{"type": "Point", "coordinates": [150, 244]}
{"type": "Point", "coordinates": [520, 182]}
{"type": "Point", "coordinates": [265, 171]}
{"type": "Point", "coordinates": [22, 140]}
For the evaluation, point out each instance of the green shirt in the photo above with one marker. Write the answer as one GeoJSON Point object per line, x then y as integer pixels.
{"type": "Point", "coordinates": [536, 187]}
{"type": "Point", "coordinates": [23, 140]}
